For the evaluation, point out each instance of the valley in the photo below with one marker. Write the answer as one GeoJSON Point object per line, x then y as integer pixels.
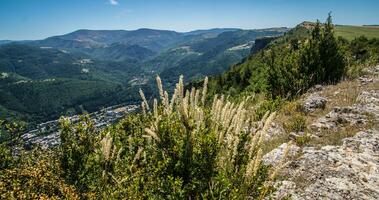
{"type": "Point", "coordinates": [47, 135]}
{"type": "Point", "coordinates": [85, 70]}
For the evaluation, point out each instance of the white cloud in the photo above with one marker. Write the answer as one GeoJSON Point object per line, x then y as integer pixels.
{"type": "Point", "coordinates": [113, 2]}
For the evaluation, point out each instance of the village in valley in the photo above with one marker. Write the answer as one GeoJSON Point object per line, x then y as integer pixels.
{"type": "Point", "coordinates": [47, 134]}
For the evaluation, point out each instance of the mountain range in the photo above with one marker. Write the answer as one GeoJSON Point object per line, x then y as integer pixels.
{"type": "Point", "coordinates": [88, 69]}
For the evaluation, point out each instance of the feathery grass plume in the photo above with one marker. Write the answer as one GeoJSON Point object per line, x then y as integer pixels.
{"type": "Point", "coordinates": [143, 108]}
{"type": "Point", "coordinates": [257, 162]}
{"type": "Point", "coordinates": [197, 96]}
{"type": "Point", "coordinates": [138, 155]}
{"type": "Point", "coordinates": [263, 120]}
{"type": "Point", "coordinates": [253, 165]}
{"type": "Point", "coordinates": [192, 97]}
{"type": "Point", "coordinates": [223, 118]}
{"type": "Point", "coordinates": [180, 87]}
{"type": "Point", "coordinates": [173, 99]}
{"type": "Point", "coordinates": [253, 144]}
{"type": "Point", "coordinates": [166, 102]}
{"type": "Point", "coordinates": [155, 108]}
{"type": "Point", "coordinates": [219, 109]}
{"type": "Point", "coordinates": [215, 99]}
{"type": "Point", "coordinates": [236, 142]}
{"type": "Point", "coordinates": [144, 99]}
{"type": "Point", "coordinates": [199, 117]}
{"type": "Point", "coordinates": [160, 87]}
{"type": "Point", "coordinates": [266, 126]}
{"type": "Point", "coordinates": [184, 106]}
{"type": "Point", "coordinates": [106, 146]}
{"type": "Point", "coordinates": [205, 89]}
{"type": "Point", "coordinates": [152, 134]}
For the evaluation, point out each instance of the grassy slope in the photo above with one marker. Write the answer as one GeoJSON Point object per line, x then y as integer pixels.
{"type": "Point", "coordinates": [351, 32]}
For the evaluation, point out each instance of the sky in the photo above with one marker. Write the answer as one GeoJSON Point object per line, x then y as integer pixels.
{"type": "Point", "coordinates": [38, 19]}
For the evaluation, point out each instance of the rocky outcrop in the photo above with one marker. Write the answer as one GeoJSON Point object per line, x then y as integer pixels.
{"type": "Point", "coordinates": [275, 129]}
{"type": "Point", "coordinates": [346, 171]}
{"type": "Point", "coordinates": [313, 102]}
{"type": "Point", "coordinates": [316, 88]}
{"type": "Point", "coordinates": [365, 80]}
{"type": "Point", "coordinates": [372, 70]}
{"type": "Point", "coordinates": [367, 106]}
{"type": "Point", "coordinates": [261, 43]}
{"type": "Point", "coordinates": [349, 171]}
{"type": "Point", "coordinates": [275, 156]}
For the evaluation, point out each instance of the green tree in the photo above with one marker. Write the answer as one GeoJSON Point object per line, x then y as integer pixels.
{"type": "Point", "coordinates": [77, 150]}
{"type": "Point", "coordinates": [331, 57]}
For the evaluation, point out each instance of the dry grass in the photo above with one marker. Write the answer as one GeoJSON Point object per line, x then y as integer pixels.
{"type": "Point", "coordinates": [335, 138]}
{"type": "Point", "coordinates": [274, 143]}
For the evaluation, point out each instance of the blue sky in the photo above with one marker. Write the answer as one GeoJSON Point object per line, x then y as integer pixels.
{"type": "Point", "coordinates": [37, 19]}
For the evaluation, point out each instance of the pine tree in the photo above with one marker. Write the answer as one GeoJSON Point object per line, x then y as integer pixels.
{"type": "Point", "coordinates": [331, 57]}
{"type": "Point", "coordinates": [311, 71]}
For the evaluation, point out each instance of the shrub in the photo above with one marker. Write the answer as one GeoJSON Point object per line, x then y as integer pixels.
{"type": "Point", "coordinates": [36, 176]}
{"type": "Point", "coordinates": [297, 123]}
{"type": "Point", "coordinates": [177, 148]}
{"type": "Point", "coordinates": [77, 151]}
{"type": "Point", "coordinates": [303, 140]}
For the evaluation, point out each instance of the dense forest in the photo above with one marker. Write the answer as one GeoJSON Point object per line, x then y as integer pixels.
{"type": "Point", "coordinates": [201, 142]}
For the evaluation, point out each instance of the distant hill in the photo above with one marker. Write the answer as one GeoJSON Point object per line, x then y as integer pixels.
{"type": "Point", "coordinates": [122, 44]}
{"type": "Point", "coordinates": [149, 38]}
{"type": "Point", "coordinates": [5, 42]}
{"type": "Point", "coordinates": [209, 56]}
{"type": "Point", "coordinates": [211, 32]}
{"type": "Point", "coordinates": [121, 52]}
{"type": "Point", "coordinates": [37, 84]}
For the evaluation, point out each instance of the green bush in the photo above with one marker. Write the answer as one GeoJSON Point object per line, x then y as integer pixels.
{"type": "Point", "coordinates": [36, 175]}
{"type": "Point", "coordinates": [297, 123]}
{"type": "Point", "coordinates": [179, 148]}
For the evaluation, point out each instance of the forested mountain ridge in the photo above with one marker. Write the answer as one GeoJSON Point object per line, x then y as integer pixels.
{"type": "Point", "coordinates": [154, 40]}
{"type": "Point", "coordinates": [37, 84]}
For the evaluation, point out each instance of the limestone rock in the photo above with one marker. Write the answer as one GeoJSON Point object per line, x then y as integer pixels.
{"type": "Point", "coordinates": [275, 129]}
{"type": "Point", "coordinates": [365, 80]}
{"type": "Point", "coordinates": [313, 102]}
{"type": "Point", "coordinates": [316, 88]}
{"type": "Point", "coordinates": [349, 171]}
{"type": "Point", "coordinates": [276, 155]}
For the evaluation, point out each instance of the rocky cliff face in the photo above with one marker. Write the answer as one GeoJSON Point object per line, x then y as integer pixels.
{"type": "Point", "coordinates": [261, 43]}
{"type": "Point", "coordinates": [340, 159]}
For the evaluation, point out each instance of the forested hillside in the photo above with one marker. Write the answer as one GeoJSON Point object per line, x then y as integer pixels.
{"type": "Point", "coordinates": [304, 57]}
{"type": "Point", "coordinates": [39, 84]}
